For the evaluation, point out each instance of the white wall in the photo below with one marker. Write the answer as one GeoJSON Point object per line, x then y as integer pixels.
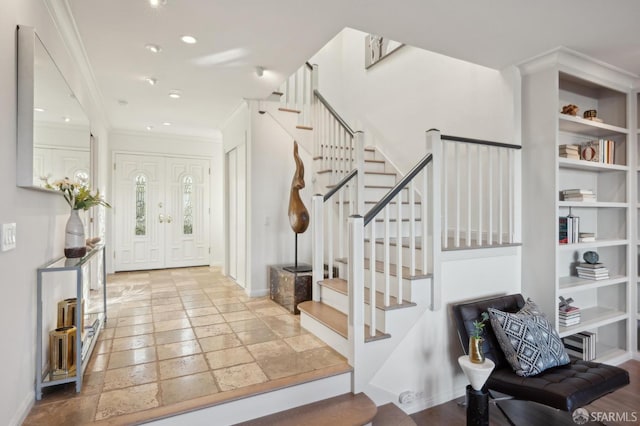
{"type": "Point", "coordinates": [397, 100]}
{"type": "Point", "coordinates": [236, 134]}
{"type": "Point", "coordinates": [426, 361]}
{"type": "Point", "coordinates": [167, 144]}
{"type": "Point", "coordinates": [272, 240]}
{"type": "Point", "coordinates": [40, 217]}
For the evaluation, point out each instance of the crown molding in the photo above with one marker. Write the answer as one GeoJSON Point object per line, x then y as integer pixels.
{"type": "Point", "coordinates": [65, 23]}
{"type": "Point", "coordinates": [217, 139]}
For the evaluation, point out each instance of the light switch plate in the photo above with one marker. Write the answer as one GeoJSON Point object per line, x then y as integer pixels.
{"type": "Point", "coordinates": [8, 237]}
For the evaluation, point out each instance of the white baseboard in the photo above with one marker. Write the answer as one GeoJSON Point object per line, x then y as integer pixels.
{"type": "Point", "coordinates": [258, 292]}
{"type": "Point", "coordinates": [23, 409]}
{"type": "Point", "coordinates": [429, 401]}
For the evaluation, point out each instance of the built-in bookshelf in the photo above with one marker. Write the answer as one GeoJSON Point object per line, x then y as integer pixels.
{"type": "Point", "coordinates": [564, 155]}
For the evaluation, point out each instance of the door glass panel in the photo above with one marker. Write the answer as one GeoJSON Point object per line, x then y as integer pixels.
{"type": "Point", "coordinates": [141, 205]}
{"type": "Point", "coordinates": [187, 205]}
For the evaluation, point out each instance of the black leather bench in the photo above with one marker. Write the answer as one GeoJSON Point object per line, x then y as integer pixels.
{"type": "Point", "coordinates": [566, 387]}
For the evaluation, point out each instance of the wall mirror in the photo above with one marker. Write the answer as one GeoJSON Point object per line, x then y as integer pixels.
{"type": "Point", "coordinates": [54, 137]}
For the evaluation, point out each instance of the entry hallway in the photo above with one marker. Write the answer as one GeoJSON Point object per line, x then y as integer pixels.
{"type": "Point", "coordinates": [180, 339]}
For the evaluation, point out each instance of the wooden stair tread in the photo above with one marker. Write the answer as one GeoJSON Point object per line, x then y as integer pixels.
{"type": "Point", "coordinates": [380, 220]}
{"type": "Point", "coordinates": [342, 286]}
{"type": "Point", "coordinates": [373, 203]}
{"type": "Point", "coordinates": [392, 269]}
{"type": "Point", "coordinates": [347, 409]}
{"type": "Point", "coordinates": [301, 127]}
{"type": "Point", "coordinates": [389, 414]}
{"type": "Point", "coordinates": [366, 173]}
{"type": "Point", "coordinates": [295, 111]}
{"type": "Point", "coordinates": [335, 320]}
{"type": "Point", "coordinates": [277, 93]}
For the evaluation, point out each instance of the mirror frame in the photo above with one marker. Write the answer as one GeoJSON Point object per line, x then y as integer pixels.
{"type": "Point", "coordinates": [26, 39]}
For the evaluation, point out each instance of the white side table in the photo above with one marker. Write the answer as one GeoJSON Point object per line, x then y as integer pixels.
{"type": "Point", "coordinates": [477, 397]}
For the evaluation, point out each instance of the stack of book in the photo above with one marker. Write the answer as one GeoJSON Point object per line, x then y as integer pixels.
{"type": "Point", "coordinates": [592, 271]}
{"type": "Point", "coordinates": [578, 195]}
{"type": "Point", "coordinates": [569, 151]}
{"type": "Point", "coordinates": [586, 237]}
{"type": "Point", "coordinates": [581, 345]}
{"type": "Point", "coordinates": [569, 315]}
{"type": "Point", "coordinates": [568, 230]}
{"type": "Point", "coordinates": [599, 151]}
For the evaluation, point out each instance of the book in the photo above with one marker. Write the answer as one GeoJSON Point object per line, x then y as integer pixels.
{"type": "Point", "coordinates": [577, 191]}
{"type": "Point", "coordinates": [584, 197]}
{"type": "Point", "coordinates": [563, 234]}
{"type": "Point", "coordinates": [592, 265]}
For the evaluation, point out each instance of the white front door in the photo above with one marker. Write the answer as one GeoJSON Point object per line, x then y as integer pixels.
{"type": "Point", "coordinates": [161, 212]}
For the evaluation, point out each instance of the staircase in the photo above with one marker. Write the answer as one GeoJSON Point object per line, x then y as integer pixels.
{"type": "Point", "coordinates": [386, 232]}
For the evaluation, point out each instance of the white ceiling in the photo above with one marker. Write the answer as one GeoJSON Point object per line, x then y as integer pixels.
{"type": "Point", "coordinates": [235, 36]}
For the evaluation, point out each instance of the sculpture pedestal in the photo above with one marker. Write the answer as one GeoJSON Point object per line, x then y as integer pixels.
{"type": "Point", "coordinates": [289, 288]}
{"type": "Point", "coordinates": [477, 395]}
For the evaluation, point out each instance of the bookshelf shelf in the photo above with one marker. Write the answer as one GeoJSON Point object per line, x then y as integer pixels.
{"type": "Point", "coordinates": [591, 318]}
{"type": "Point", "coordinates": [607, 306]}
{"type": "Point", "coordinates": [593, 244]}
{"type": "Point", "coordinates": [580, 126]}
{"type": "Point", "coordinates": [575, 284]}
{"type": "Point", "coordinates": [590, 204]}
{"type": "Point", "coordinates": [568, 163]}
{"type": "Point", "coordinates": [609, 354]}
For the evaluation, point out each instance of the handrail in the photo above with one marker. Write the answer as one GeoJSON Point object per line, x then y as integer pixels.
{"type": "Point", "coordinates": [334, 113]}
{"type": "Point", "coordinates": [309, 65]}
{"type": "Point", "coordinates": [479, 142]}
{"type": "Point", "coordinates": [396, 189]}
{"type": "Point", "coordinates": [340, 184]}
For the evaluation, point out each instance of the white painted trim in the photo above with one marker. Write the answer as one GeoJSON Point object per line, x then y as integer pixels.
{"type": "Point", "coordinates": [425, 402]}
{"type": "Point", "coordinates": [263, 404]}
{"type": "Point", "coordinates": [217, 139]}
{"type": "Point", "coordinates": [256, 293]}
{"type": "Point", "coordinates": [158, 154]}
{"type": "Point", "coordinates": [23, 410]}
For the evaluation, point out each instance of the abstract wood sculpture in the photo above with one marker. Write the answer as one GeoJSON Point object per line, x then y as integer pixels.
{"type": "Point", "coordinates": [298, 213]}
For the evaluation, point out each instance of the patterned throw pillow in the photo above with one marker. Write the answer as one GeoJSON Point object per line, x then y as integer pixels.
{"type": "Point", "coordinates": [530, 344]}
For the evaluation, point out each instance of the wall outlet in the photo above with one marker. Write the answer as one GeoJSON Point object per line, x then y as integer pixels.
{"type": "Point", "coordinates": [406, 397]}
{"type": "Point", "coordinates": [8, 237]}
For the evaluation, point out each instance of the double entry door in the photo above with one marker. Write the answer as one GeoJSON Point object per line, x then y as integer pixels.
{"type": "Point", "coordinates": [161, 212]}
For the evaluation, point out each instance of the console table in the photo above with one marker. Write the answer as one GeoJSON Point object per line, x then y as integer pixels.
{"type": "Point", "coordinates": [55, 283]}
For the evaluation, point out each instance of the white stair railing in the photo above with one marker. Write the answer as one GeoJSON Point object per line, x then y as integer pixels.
{"type": "Point", "coordinates": [297, 94]}
{"type": "Point", "coordinates": [478, 189]}
{"type": "Point", "coordinates": [334, 140]}
{"type": "Point", "coordinates": [348, 193]}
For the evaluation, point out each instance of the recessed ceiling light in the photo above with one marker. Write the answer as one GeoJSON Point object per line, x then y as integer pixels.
{"type": "Point", "coordinates": [153, 48]}
{"type": "Point", "coordinates": [175, 94]}
{"type": "Point", "coordinates": [156, 3]}
{"type": "Point", "coordinates": [149, 127]}
{"type": "Point", "coordinates": [259, 71]}
{"type": "Point", "coordinates": [66, 119]}
{"type": "Point", "coordinates": [188, 39]}
{"type": "Point", "coordinates": [152, 81]}
{"type": "Point", "coordinates": [36, 109]}
{"type": "Point", "coordinates": [166, 123]}
{"type": "Point", "coordinates": [123, 102]}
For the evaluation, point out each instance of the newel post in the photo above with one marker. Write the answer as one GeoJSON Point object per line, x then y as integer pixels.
{"type": "Point", "coordinates": [434, 170]}
{"type": "Point", "coordinates": [356, 299]}
{"type": "Point", "coordinates": [358, 142]}
{"type": "Point", "coordinates": [317, 244]}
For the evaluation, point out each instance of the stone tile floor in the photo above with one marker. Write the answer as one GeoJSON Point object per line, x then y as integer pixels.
{"type": "Point", "coordinates": [176, 335]}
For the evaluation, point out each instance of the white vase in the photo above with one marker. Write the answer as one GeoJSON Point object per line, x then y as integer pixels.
{"type": "Point", "coordinates": [74, 241]}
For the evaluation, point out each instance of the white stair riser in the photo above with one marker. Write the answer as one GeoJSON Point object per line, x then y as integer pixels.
{"type": "Point", "coordinates": [405, 228]}
{"type": "Point", "coordinates": [324, 333]}
{"type": "Point", "coordinates": [393, 254]}
{"type": "Point", "coordinates": [374, 167]}
{"type": "Point", "coordinates": [379, 180]}
{"type": "Point", "coordinates": [376, 194]}
{"type": "Point", "coordinates": [407, 285]}
{"type": "Point", "coordinates": [340, 302]}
